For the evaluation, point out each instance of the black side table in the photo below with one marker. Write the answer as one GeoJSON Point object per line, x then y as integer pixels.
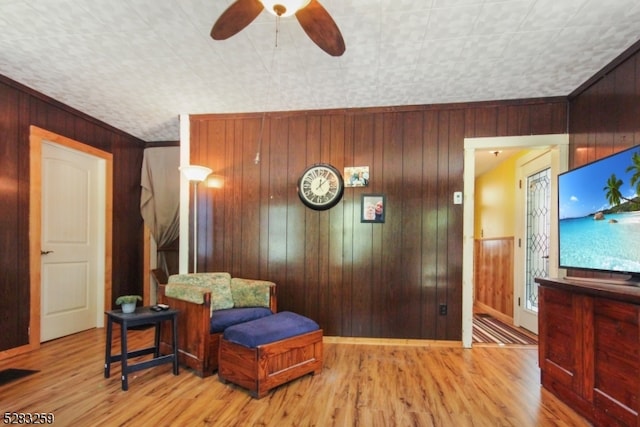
{"type": "Point", "coordinates": [142, 316]}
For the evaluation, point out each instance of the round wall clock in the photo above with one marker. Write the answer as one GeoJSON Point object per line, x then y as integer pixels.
{"type": "Point", "coordinates": [320, 186]}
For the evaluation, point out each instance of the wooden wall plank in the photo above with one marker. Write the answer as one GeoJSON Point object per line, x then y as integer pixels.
{"type": "Point", "coordinates": [409, 203]}
{"type": "Point", "coordinates": [337, 223]}
{"type": "Point", "coordinates": [442, 225]}
{"type": "Point", "coordinates": [250, 205]}
{"type": "Point", "coordinates": [378, 300]}
{"type": "Point", "coordinates": [455, 219]}
{"type": "Point", "coordinates": [362, 154]}
{"type": "Point", "coordinates": [294, 289]}
{"type": "Point", "coordinates": [324, 276]}
{"type": "Point", "coordinates": [277, 209]}
{"type": "Point", "coordinates": [262, 159]}
{"type": "Point", "coordinates": [430, 242]}
{"type": "Point", "coordinates": [392, 230]}
{"type": "Point", "coordinates": [313, 222]}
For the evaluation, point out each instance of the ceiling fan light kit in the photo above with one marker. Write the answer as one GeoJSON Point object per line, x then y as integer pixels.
{"type": "Point", "coordinates": [284, 8]}
{"type": "Point", "coordinates": [314, 19]}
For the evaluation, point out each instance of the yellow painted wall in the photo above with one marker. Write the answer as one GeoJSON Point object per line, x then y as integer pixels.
{"type": "Point", "coordinates": [494, 212]}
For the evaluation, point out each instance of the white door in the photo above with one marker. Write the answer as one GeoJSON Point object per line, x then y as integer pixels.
{"type": "Point", "coordinates": [70, 241]}
{"type": "Point", "coordinates": [535, 207]}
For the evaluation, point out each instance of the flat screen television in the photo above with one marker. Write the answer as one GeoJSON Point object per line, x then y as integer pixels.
{"type": "Point", "coordinates": [599, 215]}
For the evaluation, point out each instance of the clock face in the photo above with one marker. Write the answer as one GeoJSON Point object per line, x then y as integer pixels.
{"type": "Point", "coordinates": [321, 186]}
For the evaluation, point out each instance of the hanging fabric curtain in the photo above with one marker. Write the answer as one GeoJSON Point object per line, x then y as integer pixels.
{"type": "Point", "coordinates": [160, 196]}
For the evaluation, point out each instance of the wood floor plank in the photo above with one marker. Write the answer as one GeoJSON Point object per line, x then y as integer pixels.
{"type": "Point", "coordinates": [415, 383]}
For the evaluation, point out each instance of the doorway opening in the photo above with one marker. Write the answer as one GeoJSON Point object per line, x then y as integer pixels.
{"type": "Point", "coordinates": [558, 144]}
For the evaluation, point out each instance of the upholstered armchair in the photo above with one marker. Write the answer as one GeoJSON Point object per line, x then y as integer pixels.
{"type": "Point", "coordinates": [208, 304]}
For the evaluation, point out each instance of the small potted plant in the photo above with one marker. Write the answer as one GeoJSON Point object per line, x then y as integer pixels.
{"type": "Point", "coordinates": [128, 302]}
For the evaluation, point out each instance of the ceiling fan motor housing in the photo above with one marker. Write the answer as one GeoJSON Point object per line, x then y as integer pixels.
{"type": "Point", "coordinates": [284, 8]}
{"type": "Point", "coordinates": [279, 9]}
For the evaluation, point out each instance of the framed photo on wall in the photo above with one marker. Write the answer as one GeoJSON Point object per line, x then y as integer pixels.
{"type": "Point", "coordinates": [373, 208]}
{"type": "Point", "coordinates": [356, 176]}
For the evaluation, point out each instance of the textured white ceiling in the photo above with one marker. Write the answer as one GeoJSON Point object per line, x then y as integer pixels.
{"type": "Point", "coordinates": [138, 64]}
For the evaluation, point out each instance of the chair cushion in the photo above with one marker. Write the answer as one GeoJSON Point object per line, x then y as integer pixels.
{"type": "Point", "coordinates": [184, 292]}
{"type": "Point", "coordinates": [218, 283]}
{"type": "Point", "coordinates": [251, 292]}
{"type": "Point", "coordinates": [222, 319]}
{"type": "Point", "coordinates": [284, 324]}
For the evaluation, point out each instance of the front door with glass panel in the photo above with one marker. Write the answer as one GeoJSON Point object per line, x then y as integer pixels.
{"type": "Point", "coordinates": [534, 232]}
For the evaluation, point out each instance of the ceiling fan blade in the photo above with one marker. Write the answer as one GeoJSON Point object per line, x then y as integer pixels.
{"type": "Point", "coordinates": [321, 28]}
{"type": "Point", "coordinates": [235, 18]}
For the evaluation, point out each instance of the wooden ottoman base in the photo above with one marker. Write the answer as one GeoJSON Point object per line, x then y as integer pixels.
{"type": "Point", "coordinates": [269, 365]}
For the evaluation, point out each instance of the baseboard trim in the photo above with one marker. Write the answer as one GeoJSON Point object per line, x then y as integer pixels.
{"type": "Point", "coordinates": [398, 342]}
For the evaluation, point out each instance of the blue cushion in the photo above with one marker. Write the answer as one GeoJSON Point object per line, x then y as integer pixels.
{"type": "Point", "coordinates": [269, 329]}
{"type": "Point", "coordinates": [222, 319]}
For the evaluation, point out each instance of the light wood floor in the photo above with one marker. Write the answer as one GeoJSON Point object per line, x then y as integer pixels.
{"type": "Point", "coordinates": [362, 384]}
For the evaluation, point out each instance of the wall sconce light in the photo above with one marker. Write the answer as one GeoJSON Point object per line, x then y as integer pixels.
{"type": "Point", "coordinates": [195, 174]}
{"type": "Point", "coordinates": [215, 181]}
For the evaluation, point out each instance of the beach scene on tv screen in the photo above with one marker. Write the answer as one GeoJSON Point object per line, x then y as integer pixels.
{"type": "Point", "coordinates": [599, 212]}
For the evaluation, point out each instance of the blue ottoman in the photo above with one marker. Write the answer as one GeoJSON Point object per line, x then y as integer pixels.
{"type": "Point", "coordinates": [264, 353]}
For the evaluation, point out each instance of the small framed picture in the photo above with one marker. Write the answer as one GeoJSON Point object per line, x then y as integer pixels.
{"type": "Point", "coordinates": [356, 176]}
{"type": "Point", "coordinates": [373, 208]}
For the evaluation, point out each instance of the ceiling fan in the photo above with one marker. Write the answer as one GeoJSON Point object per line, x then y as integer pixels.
{"type": "Point", "coordinates": [312, 16]}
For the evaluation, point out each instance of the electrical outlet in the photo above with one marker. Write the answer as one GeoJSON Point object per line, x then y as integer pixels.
{"type": "Point", "coordinates": [443, 309]}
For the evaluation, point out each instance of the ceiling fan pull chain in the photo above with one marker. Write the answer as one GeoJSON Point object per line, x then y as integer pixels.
{"type": "Point", "coordinates": [267, 105]}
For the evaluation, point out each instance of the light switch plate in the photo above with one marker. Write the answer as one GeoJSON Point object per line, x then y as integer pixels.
{"type": "Point", "coordinates": [457, 197]}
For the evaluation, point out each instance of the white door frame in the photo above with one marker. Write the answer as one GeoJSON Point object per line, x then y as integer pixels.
{"type": "Point", "coordinates": [36, 137]}
{"type": "Point", "coordinates": [561, 141]}
{"type": "Point", "coordinates": [185, 156]}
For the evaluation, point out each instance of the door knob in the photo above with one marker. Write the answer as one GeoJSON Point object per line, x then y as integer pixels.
{"type": "Point", "coordinates": [45, 252]}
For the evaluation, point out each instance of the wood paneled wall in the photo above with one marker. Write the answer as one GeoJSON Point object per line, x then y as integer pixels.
{"type": "Point", "coordinates": [604, 112]}
{"type": "Point", "coordinates": [604, 115]}
{"type": "Point", "coordinates": [21, 107]}
{"type": "Point", "coordinates": [355, 279]}
{"type": "Point", "coordinates": [493, 275]}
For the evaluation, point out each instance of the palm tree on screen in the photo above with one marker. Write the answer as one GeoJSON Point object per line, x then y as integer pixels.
{"type": "Point", "coordinates": [635, 168]}
{"type": "Point", "coordinates": [613, 190]}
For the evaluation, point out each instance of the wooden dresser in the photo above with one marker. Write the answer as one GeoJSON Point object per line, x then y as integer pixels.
{"type": "Point", "coordinates": [589, 348]}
